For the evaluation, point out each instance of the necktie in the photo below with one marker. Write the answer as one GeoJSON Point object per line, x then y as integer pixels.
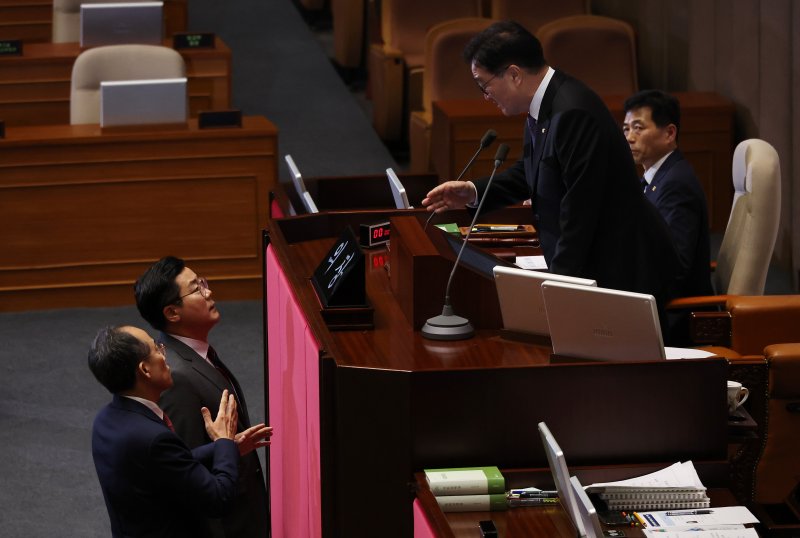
{"type": "Point", "coordinates": [221, 368]}
{"type": "Point", "coordinates": [644, 185]}
{"type": "Point", "coordinates": [168, 422]}
{"type": "Point", "coordinates": [532, 126]}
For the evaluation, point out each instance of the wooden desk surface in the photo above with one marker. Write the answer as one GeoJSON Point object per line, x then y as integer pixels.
{"type": "Point", "coordinates": [35, 87]}
{"type": "Point", "coordinates": [83, 212]}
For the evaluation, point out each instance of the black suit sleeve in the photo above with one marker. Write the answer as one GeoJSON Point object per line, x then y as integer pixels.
{"type": "Point", "coordinates": [684, 222]}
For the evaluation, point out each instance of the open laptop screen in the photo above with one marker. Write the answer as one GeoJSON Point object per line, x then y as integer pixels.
{"type": "Point", "coordinates": [300, 186]}
{"type": "Point", "coordinates": [398, 191]}
{"type": "Point", "coordinates": [141, 102]}
{"type": "Point", "coordinates": [120, 23]}
{"type": "Point", "coordinates": [586, 510]}
{"type": "Point", "coordinates": [558, 467]}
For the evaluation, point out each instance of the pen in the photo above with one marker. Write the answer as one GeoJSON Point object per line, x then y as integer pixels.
{"type": "Point", "coordinates": [690, 513]}
{"type": "Point", "coordinates": [639, 519]}
{"type": "Point", "coordinates": [537, 494]}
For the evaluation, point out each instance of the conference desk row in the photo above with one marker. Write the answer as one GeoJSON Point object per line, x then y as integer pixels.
{"type": "Point", "coordinates": [84, 211]}
{"type": "Point", "coordinates": [359, 411]}
{"type": "Point", "coordinates": [35, 87]}
{"type": "Point", "coordinates": [32, 20]}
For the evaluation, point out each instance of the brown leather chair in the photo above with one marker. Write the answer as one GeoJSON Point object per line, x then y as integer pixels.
{"type": "Point", "coordinates": [395, 66]}
{"type": "Point", "coordinates": [599, 51]}
{"type": "Point", "coordinates": [532, 14]}
{"type": "Point", "coordinates": [445, 77]}
{"type": "Point", "coordinates": [348, 32]}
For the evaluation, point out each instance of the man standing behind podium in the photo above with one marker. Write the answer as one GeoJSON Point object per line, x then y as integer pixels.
{"type": "Point", "coordinates": [576, 167]}
{"type": "Point", "coordinates": [178, 302]}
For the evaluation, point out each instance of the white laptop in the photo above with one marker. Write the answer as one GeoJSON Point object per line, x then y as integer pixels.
{"type": "Point", "coordinates": [142, 102]}
{"type": "Point", "coordinates": [300, 186]}
{"type": "Point", "coordinates": [601, 323]}
{"type": "Point", "coordinates": [120, 23]}
{"type": "Point", "coordinates": [586, 510]}
{"type": "Point", "coordinates": [398, 191]}
{"type": "Point", "coordinates": [520, 294]}
{"type": "Point", "coordinates": [558, 467]}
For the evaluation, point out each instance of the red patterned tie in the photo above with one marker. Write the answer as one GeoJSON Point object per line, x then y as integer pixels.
{"type": "Point", "coordinates": [168, 422]}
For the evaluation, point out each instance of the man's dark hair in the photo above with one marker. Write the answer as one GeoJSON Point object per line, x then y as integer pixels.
{"type": "Point", "coordinates": [157, 288]}
{"type": "Point", "coordinates": [664, 108]}
{"type": "Point", "coordinates": [114, 357]}
{"type": "Point", "coordinates": [502, 44]}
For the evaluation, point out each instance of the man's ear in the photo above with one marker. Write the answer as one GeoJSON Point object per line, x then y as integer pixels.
{"type": "Point", "coordinates": [672, 132]}
{"type": "Point", "coordinates": [144, 369]}
{"type": "Point", "coordinates": [172, 313]}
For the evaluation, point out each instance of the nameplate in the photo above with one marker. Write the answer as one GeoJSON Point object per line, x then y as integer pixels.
{"type": "Point", "coordinates": [340, 279]}
{"type": "Point", "coordinates": [209, 119]}
{"type": "Point", "coordinates": [11, 47]}
{"type": "Point", "coordinates": [187, 40]}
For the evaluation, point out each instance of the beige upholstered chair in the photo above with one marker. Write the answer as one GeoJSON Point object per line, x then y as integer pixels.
{"type": "Point", "coordinates": [445, 77]}
{"type": "Point", "coordinates": [532, 14]}
{"type": "Point", "coordinates": [599, 51]}
{"type": "Point", "coordinates": [67, 18]}
{"type": "Point", "coordinates": [395, 66]}
{"type": "Point", "coordinates": [116, 62]}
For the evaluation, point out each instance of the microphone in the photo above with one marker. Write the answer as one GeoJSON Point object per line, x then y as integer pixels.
{"type": "Point", "coordinates": [488, 137]}
{"type": "Point", "coordinates": [449, 326]}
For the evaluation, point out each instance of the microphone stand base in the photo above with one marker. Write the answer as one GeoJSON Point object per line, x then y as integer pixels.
{"type": "Point", "coordinates": [448, 327]}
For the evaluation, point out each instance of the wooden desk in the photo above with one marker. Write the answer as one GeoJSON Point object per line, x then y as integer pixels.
{"type": "Point", "coordinates": [35, 87]}
{"type": "Point", "coordinates": [32, 20]}
{"type": "Point", "coordinates": [83, 212]}
{"type": "Point", "coordinates": [360, 411]}
{"type": "Point", "coordinates": [706, 140]}
{"type": "Point", "coordinates": [547, 521]}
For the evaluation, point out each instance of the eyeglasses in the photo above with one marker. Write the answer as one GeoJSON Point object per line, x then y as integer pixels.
{"type": "Point", "coordinates": [162, 349]}
{"type": "Point", "coordinates": [484, 87]}
{"type": "Point", "coordinates": [202, 287]}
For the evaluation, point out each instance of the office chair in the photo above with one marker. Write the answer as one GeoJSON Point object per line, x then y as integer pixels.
{"type": "Point", "coordinates": [67, 18]}
{"type": "Point", "coordinates": [599, 51]}
{"type": "Point", "coordinates": [116, 62]}
{"type": "Point", "coordinates": [532, 14]}
{"type": "Point", "coordinates": [395, 66]}
{"type": "Point", "coordinates": [444, 77]}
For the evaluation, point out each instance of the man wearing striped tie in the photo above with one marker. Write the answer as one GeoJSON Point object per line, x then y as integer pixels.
{"type": "Point", "coordinates": [179, 303]}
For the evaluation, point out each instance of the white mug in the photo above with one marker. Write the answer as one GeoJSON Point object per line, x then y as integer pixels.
{"type": "Point", "coordinates": [737, 395]}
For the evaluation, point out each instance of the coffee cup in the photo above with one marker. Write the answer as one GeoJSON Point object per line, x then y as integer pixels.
{"type": "Point", "coordinates": [737, 395]}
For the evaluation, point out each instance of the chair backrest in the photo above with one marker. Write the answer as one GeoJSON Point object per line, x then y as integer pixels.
{"type": "Point", "coordinates": [404, 23]}
{"type": "Point", "coordinates": [749, 239]}
{"type": "Point", "coordinates": [532, 14]}
{"type": "Point", "coordinates": [67, 18]}
{"type": "Point", "coordinates": [599, 51]}
{"type": "Point", "coordinates": [446, 76]}
{"type": "Point", "coordinates": [116, 62]}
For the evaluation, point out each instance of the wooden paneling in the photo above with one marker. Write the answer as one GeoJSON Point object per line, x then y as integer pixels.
{"type": "Point", "coordinates": [83, 212]}
{"type": "Point", "coordinates": [35, 87]}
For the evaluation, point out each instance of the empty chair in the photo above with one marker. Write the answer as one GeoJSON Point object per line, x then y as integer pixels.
{"type": "Point", "coordinates": [67, 18]}
{"type": "Point", "coordinates": [348, 32]}
{"type": "Point", "coordinates": [446, 76]}
{"type": "Point", "coordinates": [599, 51]}
{"type": "Point", "coordinates": [395, 66]}
{"type": "Point", "coordinates": [116, 62]}
{"type": "Point", "coordinates": [532, 14]}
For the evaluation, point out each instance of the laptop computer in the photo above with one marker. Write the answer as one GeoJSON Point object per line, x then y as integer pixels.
{"type": "Point", "coordinates": [586, 510]}
{"type": "Point", "coordinates": [141, 102]}
{"type": "Point", "coordinates": [558, 467]}
{"type": "Point", "coordinates": [300, 186]}
{"type": "Point", "coordinates": [120, 23]}
{"type": "Point", "coordinates": [398, 191]}
{"type": "Point", "coordinates": [519, 292]}
{"type": "Point", "coordinates": [601, 323]}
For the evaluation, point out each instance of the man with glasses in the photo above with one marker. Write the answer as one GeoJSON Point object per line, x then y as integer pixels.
{"type": "Point", "coordinates": [576, 168]}
{"type": "Point", "coordinates": [178, 302]}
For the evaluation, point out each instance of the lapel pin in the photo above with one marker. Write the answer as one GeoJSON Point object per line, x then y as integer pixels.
{"type": "Point", "coordinates": [543, 130]}
{"type": "Point", "coordinates": [653, 188]}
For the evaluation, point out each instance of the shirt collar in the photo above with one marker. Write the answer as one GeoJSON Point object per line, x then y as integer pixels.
{"type": "Point", "coordinates": [650, 173]}
{"type": "Point", "coordinates": [536, 103]}
{"type": "Point", "coordinates": [152, 406]}
{"type": "Point", "coordinates": [199, 347]}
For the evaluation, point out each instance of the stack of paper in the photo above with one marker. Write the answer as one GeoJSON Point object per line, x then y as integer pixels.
{"type": "Point", "coordinates": [723, 522]}
{"type": "Point", "coordinates": [676, 487]}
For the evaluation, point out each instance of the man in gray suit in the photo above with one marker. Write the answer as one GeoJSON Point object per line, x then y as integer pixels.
{"type": "Point", "coordinates": [178, 302]}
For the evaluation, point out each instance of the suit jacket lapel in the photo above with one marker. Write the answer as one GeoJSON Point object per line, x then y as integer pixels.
{"type": "Point", "coordinates": [661, 173]}
{"type": "Point", "coordinates": [542, 130]}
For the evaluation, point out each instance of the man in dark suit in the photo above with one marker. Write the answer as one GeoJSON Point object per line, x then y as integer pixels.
{"type": "Point", "coordinates": [651, 126]}
{"type": "Point", "coordinates": [153, 484]}
{"type": "Point", "coordinates": [577, 170]}
{"type": "Point", "coordinates": [179, 303]}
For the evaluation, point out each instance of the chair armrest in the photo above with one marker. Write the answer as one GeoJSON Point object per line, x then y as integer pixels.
{"type": "Point", "coordinates": [684, 303]}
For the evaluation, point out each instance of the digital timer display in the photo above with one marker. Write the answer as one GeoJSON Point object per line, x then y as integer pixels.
{"type": "Point", "coordinates": [373, 235]}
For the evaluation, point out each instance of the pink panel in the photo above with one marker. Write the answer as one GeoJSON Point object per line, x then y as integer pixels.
{"type": "Point", "coordinates": [294, 412]}
{"type": "Point", "coordinates": [422, 527]}
{"type": "Point", "coordinates": [275, 210]}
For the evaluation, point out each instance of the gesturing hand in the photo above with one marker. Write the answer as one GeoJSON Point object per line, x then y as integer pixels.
{"type": "Point", "coordinates": [253, 438]}
{"type": "Point", "coordinates": [224, 426]}
{"type": "Point", "coordinates": [450, 195]}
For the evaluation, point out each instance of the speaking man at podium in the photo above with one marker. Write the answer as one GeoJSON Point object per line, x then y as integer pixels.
{"type": "Point", "coordinates": [588, 208]}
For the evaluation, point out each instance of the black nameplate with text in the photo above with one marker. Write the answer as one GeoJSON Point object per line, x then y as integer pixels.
{"type": "Point", "coordinates": [189, 40]}
{"type": "Point", "coordinates": [219, 118]}
{"type": "Point", "coordinates": [10, 47]}
{"type": "Point", "coordinates": [340, 279]}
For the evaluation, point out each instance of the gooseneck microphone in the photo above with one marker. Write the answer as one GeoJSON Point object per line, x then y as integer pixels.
{"type": "Point", "coordinates": [449, 326]}
{"type": "Point", "coordinates": [488, 137]}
